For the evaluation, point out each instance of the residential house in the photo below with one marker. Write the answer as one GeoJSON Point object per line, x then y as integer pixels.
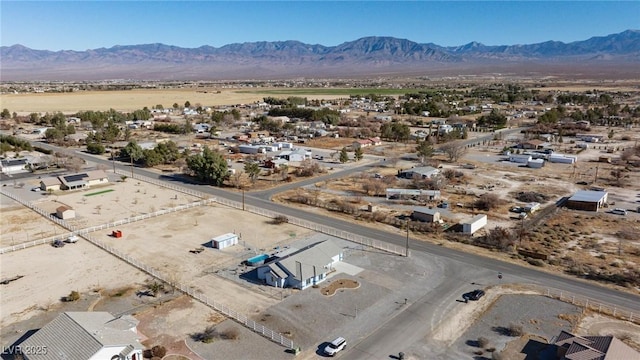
{"type": "Point", "coordinates": [14, 166]}
{"type": "Point", "coordinates": [86, 335]}
{"type": "Point", "coordinates": [423, 172]}
{"type": "Point", "coordinates": [74, 181]}
{"type": "Point", "coordinates": [532, 144]}
{"type": "Point", "coordinates": [426, 214]}
{"type": "Point", "coordinates": [275, 163]}
{"type": "Point", "coordinates": [575, 347]}
{"type": "Point", "coordinates": [412, 194]}
{"type": "Point", "coordinates": [297, 154]}
{"type": "Point", "coordinates": [302, 268]}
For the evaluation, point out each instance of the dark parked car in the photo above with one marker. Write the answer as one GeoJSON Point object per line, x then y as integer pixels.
{"type": "Point", "coordinates": [474, 295]}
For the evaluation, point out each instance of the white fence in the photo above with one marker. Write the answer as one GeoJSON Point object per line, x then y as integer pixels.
{"type": "Point", "coordinates": [593, 305]}
{"type": "Point", "coordinates": [85, 232]}
{"type": "Point", "coordinates": [227, 311]}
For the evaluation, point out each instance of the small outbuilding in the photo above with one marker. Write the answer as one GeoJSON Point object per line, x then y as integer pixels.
{"type": "Point", "coordinates": [223, 241]}
{"type": "Point", "coordinates": [588, 200]}
{"type": "Point", "coordinates": [65, 212]}
{"type": "Point", "coordinates": [426, 214]}
{"type": "Point", "coordinates": [474, 224]}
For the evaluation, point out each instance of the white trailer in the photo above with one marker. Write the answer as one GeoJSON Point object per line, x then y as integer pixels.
{"type": "Point", "coordinates": [474, 224]}
{"type": "Point", "coordinates": [251, 149]}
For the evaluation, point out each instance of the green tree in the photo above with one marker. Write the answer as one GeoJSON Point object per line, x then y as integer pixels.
{"type": "Point", "coordinates": [176, 106]}
{"type": "Point", "coordinates": [187, 104]}
{"type": "Point", "coordinates": [133, 151]}
{"type": "Point", "coordinates": [210, 166]}
{"type": "Point", "coordinates": [252, 169]}
{"type": "Point", "coordinates": [424, 150]}
{"type": "Point", "coordinates": [344, 156]}
{"type": "Point", "coordinates": [358, 154]}
{"type": "Point", "coordinates": [5, 114]}
{"type": "Point", "coordinates": [95, 148]}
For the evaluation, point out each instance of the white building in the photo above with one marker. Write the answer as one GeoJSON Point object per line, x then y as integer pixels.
{"type": "Point", "coordinates": [520, 159]}
{"type": "Point", "coordinates": [223, 241]}
{"type": "Point", "coordinates": [474, 224]}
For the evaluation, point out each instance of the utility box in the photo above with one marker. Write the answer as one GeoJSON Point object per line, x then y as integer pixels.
{"type": "Point", "coordinates": [116, 233]}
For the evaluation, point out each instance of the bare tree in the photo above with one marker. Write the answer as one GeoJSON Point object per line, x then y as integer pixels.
{"type": "Point", "coordinates": [454, 150]}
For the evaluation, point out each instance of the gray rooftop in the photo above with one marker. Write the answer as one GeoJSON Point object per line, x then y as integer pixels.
{"type": "Point", "coordinates": [588, 196]}
{"type": "Point", "coordinates": [317, 255]}
{"type": "Point", "coordinates": [80, 335]}
{"type": "Point", "coordinates": [425, 210]}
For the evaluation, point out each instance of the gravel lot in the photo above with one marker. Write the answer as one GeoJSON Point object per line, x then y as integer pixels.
{"type": "Point", "coordinates": [537, 315]}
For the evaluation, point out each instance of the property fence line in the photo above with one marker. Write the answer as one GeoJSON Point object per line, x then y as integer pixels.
{"type": "Point", "coordinates": [85, 233]}
{"type": "Point", "coordinates": [81, 231]}
{"type": "Point", "coordinates": [591, 304]}
{"type": "Point", "coordinates": [362, 240]}
{"type": "Point", "coordinates": [195, 294]}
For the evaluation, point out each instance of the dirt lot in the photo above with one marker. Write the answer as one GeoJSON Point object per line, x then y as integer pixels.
{"type": "Point", "coordinates": [130, 100]}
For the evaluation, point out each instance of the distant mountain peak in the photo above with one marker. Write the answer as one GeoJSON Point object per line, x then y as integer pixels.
{"type": "Point", "coordinates": [368, 55]}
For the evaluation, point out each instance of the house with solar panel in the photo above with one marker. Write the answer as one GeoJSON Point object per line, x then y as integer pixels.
{"type": "Point", "coordinates": [301, 268]}
{"type": "Point", "coordinates": [86, 335]}
{"type": "Point", "coordinates": [75, 181]}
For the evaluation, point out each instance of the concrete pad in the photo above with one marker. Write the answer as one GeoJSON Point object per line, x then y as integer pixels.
{"type": "Point", "coordinates": [345, 268]}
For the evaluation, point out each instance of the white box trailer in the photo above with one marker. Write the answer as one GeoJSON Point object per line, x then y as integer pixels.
{"type": "Point", "coordinates": [474, 224]}
{"type": "Point", "coordinates": [562, 159]}
{"type": "Point", "coordinates": [251, 149]}
{"type": "Point", "coordinates": [223, 241]}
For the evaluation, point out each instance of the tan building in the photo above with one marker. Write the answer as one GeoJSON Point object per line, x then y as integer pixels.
{"type": "Point", "coordinates": [65, 212]}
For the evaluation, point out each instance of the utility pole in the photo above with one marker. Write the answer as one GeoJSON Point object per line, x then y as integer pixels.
{"type": "Point", "coordinates": [595, 180]}
{"type": "Point", "coordinates": [406, 252]}
{"type": "Point", "coordinates": [131, 157]}
{"type": "Point", "coordinates": [242, 199]}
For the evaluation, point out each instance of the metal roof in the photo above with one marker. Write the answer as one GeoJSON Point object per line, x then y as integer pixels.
{"type": "Point", "coordinates": [317, 255]}
{"type": "Point", "coordinates": [80, 335]}
{"type": "Point", "coordinates": [588, 196]}
{"type": "Point", "coordinates": [425, 210]}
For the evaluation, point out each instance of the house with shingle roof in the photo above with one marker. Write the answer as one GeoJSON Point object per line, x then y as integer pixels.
{"type": "Point", "coordinates": [301, 268]}
{"type": "Point", "coordinates": [575, 347]}
{"type": "Point", "coordinates": [86, 335]}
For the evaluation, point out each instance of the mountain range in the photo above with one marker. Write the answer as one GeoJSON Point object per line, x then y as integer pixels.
{"type": "Point", "coordinates": [602, 56]}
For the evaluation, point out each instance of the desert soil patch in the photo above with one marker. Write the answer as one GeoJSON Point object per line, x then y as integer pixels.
{"type": "Point", "coordinates": [338, 284]}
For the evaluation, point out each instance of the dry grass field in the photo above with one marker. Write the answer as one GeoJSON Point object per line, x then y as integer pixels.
{"type": "Point", "coordinates": [130, 100]}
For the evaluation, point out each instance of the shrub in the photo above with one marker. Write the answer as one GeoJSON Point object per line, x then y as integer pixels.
{"type": "Point", "coordinates": [280, 219]}
{"type": "Point", "coordinates": [73, 296]}
{"type": "Point", "coordinates": [515, 330]}
{"type": "Point", "coordinates": [158, 351]}
{"type": "Point", "coordinates": [483, 342]}
{"type": "Point", "coordinates": [487, 201]}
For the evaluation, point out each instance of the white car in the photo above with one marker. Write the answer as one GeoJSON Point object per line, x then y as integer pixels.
{"type": "Point", "coordinates": [619, 211]}
{"type": "Point", "coordinates": [36, 189]}
{"type": "Point", "coordinates": [335, 346]}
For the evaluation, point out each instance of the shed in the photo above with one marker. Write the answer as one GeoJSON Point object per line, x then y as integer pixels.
{"type": "Point", "coordinates": [65, 212]}
{"type": "Point", "coordinates": [588, 200]}
{"type": "Point", "coordinates": [223, 241]}
{"type": "Point", "coordinates": [474, 224]}
{"type": "Point", "coordinates": [426, 214]}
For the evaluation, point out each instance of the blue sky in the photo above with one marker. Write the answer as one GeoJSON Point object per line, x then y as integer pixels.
{"type": "Point", "coordinates": [81, 25]}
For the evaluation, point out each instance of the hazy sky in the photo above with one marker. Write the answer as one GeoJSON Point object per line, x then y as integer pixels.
{"type": "Point", "coordinates": [81, 25]}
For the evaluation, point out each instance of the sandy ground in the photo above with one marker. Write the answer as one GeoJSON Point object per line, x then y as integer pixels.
{"type": "Point", "coordinates": [20, 225]}
{"type": "Point", "coordinates": [51, 273]}
{"type": "Point", "coordinates": [132, 100]}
